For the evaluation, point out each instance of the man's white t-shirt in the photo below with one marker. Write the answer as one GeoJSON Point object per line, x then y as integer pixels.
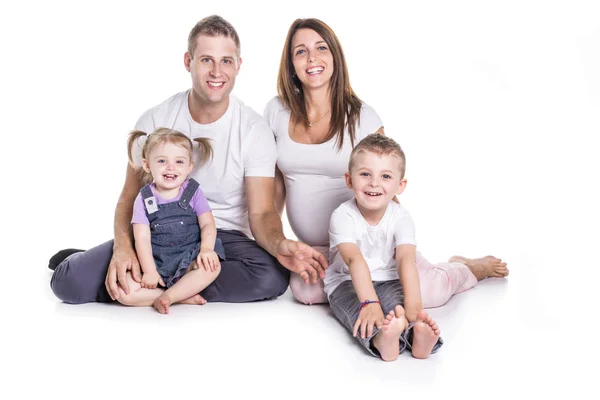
{"type": "Point", "coordinates": [243, 146]}
{"type": "Point", "coordinates": [314, 173]}
{"type": "Point", "coordinates": [377, 243]}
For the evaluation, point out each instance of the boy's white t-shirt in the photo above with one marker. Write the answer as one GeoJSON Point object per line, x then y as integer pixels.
{"type": "Point", "coordinates": [243, 146]}
{"type": "Point", "coordinates": [377, 243]}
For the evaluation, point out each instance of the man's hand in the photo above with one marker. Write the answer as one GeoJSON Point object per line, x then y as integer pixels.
{"type": "Point", "coordinates": [123, 260]}
{"type": "Point", "coordinates": [302, 259]}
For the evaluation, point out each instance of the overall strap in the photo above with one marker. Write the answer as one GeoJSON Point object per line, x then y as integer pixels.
{"type": "Point", "coordinates": [188, 193]}
{"type": "Point", "coordinates": [146, 192]}
{"type": "Point", "coordinates": [150, 203]}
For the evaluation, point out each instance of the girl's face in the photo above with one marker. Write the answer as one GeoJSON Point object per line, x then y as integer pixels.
{"type": "Point", "coordinates": [169, 165]}
{"type": "Point", "coordinates": [312, 59]}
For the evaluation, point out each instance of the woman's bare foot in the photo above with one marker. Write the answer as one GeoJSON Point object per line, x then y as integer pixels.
{"type": "Point", "coordinates": [162, 304]}
{"type": "Point", "coordinates": [484, 267]}
{"type": "Point", "coordinates": [425, 335]}
{"type": "Point", "coordinates": [195, 299]}
{"type": "Point", "coordinates": [387, 340]}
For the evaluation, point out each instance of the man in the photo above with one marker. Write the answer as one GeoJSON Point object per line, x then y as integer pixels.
{"type": "Point", "coordinates": [238, 183]}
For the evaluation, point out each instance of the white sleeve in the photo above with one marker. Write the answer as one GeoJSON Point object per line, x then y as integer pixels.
{"type": "Point", "coordinates": [404, 229]}
{"type": "Point", "coordinates": [261, 153]}
{"type": "Point", "coordinates": [369, 122]}
{"type": "Point", "coordinates": [341, 228]}
{"type": "Point", "coordinates": [145, 123]}
{"type": "Point", "coordinates": [270, 113]}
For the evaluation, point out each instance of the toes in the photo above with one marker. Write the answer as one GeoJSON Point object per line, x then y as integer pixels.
{"type": "Point", "coordinates": [399, 311]}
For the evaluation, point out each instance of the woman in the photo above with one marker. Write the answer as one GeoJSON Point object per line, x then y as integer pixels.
{"type": "Point", "coordinates": [317, 118]}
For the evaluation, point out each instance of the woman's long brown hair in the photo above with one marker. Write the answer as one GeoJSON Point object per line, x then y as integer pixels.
{"type": "Point", "coordinates": [345, 104]}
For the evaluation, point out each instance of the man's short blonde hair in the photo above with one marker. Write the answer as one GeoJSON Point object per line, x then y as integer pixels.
{"type": "Point", "coordinates": [212, 26]}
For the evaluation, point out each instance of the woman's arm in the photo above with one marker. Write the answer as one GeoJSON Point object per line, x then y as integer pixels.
{"type": "Point", "coordinates": [279, 191]}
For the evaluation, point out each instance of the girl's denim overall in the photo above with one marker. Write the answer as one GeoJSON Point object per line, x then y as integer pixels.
{"type": "Point", "coordinates": [175, 234]}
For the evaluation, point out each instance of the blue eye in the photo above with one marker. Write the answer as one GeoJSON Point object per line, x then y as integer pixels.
{"type": "Point", "coordinates": [206, 60]}
{"type": "Point", "coordinates": [364, 174]}
{"type": "Point", "coordinates": [299, 52]}
{"type": "Point", "coordinates": [161, 161]}
{"type": "Point", "coordinates": [386, 176]}
{"type": "Point", "coordinates": [322, 48]}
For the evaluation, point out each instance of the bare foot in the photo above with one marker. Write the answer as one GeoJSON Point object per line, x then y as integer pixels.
{"type": "Point", "coordinates": [195, 299]}
{"type": "Point", "coordinates": [387, 340]}
{"type": "Point", "coordinates": [425, 335]}
{"type": "Point", "coordinates": [484, 267]}
{"type": "Point", "coordinates": [162, 304]}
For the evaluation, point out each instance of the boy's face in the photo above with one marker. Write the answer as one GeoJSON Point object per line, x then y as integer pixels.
{"type": "Point", "coordinates": [375, 180]}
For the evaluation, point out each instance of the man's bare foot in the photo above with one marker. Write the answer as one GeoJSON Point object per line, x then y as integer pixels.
{"type": "Point", "coordinates": [162, 304]}
{"type": "Point", "coordinates": [387, 340]}
{"type": "Point", "coordinates": [195, 299]}
{"type": "Point", "coordinates": [484, 267]}
{"type": "Point", "coordinates": [425, 335]}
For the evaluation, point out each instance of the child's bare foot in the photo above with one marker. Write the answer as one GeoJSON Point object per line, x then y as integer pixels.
{"type": "Point", "coordinates": [387, 340]}
{"type": "Point", "coordinates": [425, 335]}
{"type": "Point", "coordinates": [162, 304]}
{"type": "Point", "coordinates": [484, 267]}
{"type": "Point", "coordinates": [195, 299]}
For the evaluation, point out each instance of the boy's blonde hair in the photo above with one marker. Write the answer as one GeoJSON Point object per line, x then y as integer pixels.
{"type": "Point", "coordinates": [380, 145]}
{"type": "Point", "coordinates": [162, 136]}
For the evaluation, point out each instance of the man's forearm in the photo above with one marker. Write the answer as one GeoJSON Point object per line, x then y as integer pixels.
{"type": "Point", "coordinates": [122, 224]}
{"type": "Point", "coordinates": [267, 231]}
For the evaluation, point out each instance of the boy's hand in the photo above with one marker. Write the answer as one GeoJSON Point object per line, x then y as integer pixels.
{"type": "Point", "coordinates": [208, 259]}
{"type": "Point", "coordinates": [370, 315]}
{"type": "Point", "coordinates": [151, 279]}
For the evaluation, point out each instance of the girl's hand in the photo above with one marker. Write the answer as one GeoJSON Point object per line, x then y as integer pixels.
{"type": "Point", "coordinates": [151, 279]}
{"type": "Point", "coordinates": [208, 259]}
{"type": "Point", "coordinates": [370, 315]}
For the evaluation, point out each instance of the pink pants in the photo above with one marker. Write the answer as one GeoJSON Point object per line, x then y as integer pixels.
{"type": "Point", "coordinates": [439, 282]}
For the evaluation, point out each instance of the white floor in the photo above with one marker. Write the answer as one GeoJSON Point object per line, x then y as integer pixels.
{"type": "Point", "coordinates": [504, 337]}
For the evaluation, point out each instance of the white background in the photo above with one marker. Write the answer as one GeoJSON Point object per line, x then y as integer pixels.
{"type": "Point", "coordinates": [497, 105]}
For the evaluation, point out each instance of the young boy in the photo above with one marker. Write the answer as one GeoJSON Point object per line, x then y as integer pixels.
{"type": "Point", "coordinates": [373, 250]}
